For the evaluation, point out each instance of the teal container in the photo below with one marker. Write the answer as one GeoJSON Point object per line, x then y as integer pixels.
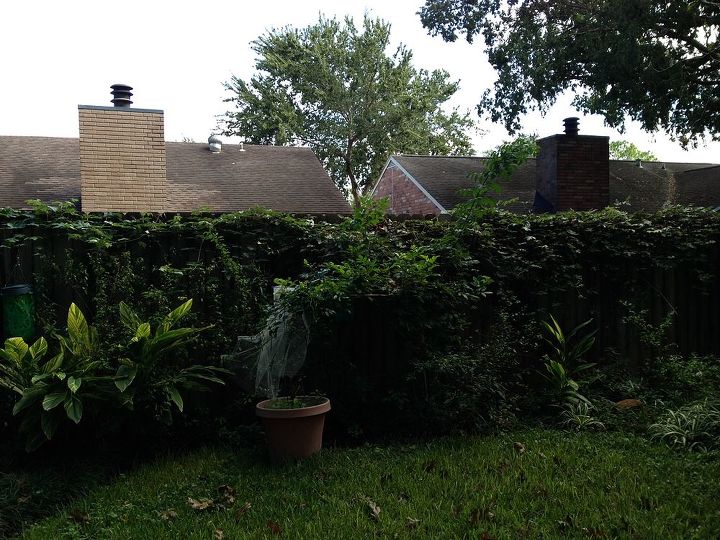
{"type": "Point", "coordinates": [18, 310]}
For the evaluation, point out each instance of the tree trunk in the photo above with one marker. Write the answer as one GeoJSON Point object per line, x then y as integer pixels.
{"type": "Point", "coordinates": [354, 189]}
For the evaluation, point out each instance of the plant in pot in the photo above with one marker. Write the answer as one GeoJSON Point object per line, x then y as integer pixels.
{"type": "Point", "coordinates": [294, 423]}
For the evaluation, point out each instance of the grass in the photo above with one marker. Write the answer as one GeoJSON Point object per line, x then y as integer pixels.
{"type": "Point", "coordinates": [552, 484]}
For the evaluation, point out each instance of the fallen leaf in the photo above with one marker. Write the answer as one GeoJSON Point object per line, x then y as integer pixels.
{"type": "Point", "coordinates": [200, 504]}
{"type": "Point", "coordinates": [519, 447]}
{"type": "Point", "coordinates": [240, 512]}
{"type": "Point", "coordinates": [403, 497]}
{"type": "Point", "coordinates": [23, 499]}
{"type": "Point", "coordinates": [429, 466]}
{"type": "Point", "coordinates": [374, 509]}
{"type": "Point", "coordinates": [411, 523]}
{"type": "Point", "coordinates": [486, 536]}
{"type": "Point", "coordinates": [218, 534]}
{"type": "Point", "coordinates": [228, 494]}
{"type": "Point", "coordinates": [168, 514]}
{"type": "Point", "coordinates": [78, 516]}
{"type": "Point", "coordinates": [274, 527]}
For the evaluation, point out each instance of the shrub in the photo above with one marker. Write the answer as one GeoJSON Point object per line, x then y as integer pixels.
{"type": "Point", "coordinates": [564, 361]}
{"type": "Point", "coordinates": [53, 389]}
{"type": "Point", "coordinates": [680, 379]}
{"type": "Point", "coordinates": [695, 427]}
{"type": "Point", "coordinates": [578, 416]}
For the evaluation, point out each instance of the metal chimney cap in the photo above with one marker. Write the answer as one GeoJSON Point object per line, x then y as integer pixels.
{"type": "Point", "coordinates": [571, 125]}
{"type": "Point", "coordinates": [214, 144]}
{"type": "Point", "coordinates": [121, 95]}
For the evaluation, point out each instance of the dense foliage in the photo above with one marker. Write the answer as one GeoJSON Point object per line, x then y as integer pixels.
{"type": "Point", "coordinates": [139, 377]}
{"type": "Point", "coordinates": [428, 325]}
{"type": "Point", "coordinates": [337, 89]}
{"type": "Point", "coordinates": [655, 61]}
{"type": "Point", "coordinates": [628, 150]}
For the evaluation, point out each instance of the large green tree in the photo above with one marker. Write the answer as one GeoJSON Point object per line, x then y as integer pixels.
{"type": "Point", "coordinates": [338, 90]}
{"type": "Point", "coordinates": [627, 150]}
{"type": "Point", "coordinates": [655, 61]}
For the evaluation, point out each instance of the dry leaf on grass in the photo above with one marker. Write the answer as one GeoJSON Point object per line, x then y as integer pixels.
{"type": "Point", "coordinates": [274, 527]}
{"type": "Point", "coordinates": [411, 523]}
{"type": "Point", "coordinates": [240, 512]}
{"type": "Point", "coordinates": [168, 514]}
{"type": "Point", "coordinates": [200, 504]}
{"type": "Point", "coordinates": [218, 534]}
{"type": "Point", "coordinates": [227, 493]}
{"type": "Point", "coordinates": [374, 509]}
{"type": "Point", "coordinates": [519, 447]}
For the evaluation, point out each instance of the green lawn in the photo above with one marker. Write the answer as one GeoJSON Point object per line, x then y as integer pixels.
{"type": "Point", "coordinates": [555, 485]}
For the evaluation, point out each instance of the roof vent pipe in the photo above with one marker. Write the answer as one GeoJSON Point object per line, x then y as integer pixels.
{"type": "Point", "coordinates": [571, 126]}
{"type": "Point", "coordinates": [242, 146]}
{"type": "Point", "coordinates": [639, 163]}
{"type": "Point", "coordinates": [214, 144]}
{"type": "Point", "coordinates": [121, 95]}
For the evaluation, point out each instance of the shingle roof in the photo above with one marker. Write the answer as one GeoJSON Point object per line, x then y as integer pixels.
{"type": "Point", "coordinates": [445, 177]}
{"type": "Point", "coordinates": [282, 178]}
{"type": "Point", "coordinates": [644, 188]}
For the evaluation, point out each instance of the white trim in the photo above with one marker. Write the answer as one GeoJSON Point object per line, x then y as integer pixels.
{"type": "Point", "coordinates": [380, 177]}
{"type": "Point", "coordinates": [412, 179]}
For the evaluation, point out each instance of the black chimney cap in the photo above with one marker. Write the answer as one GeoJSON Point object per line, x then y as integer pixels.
{"type": "Point", "coordinates": [121, 95]}
{"type": "Point", "coordinates": [571, 125]}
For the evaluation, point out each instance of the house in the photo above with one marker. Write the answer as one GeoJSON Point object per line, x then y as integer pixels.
{"type": "Point", "coordinates": [572, 171]}
{"type": "Point", "coordinates": [122, 163]}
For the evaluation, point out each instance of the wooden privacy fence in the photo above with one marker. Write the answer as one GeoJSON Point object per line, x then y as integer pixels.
{"type": "Point", "coordinates": [693, 299]}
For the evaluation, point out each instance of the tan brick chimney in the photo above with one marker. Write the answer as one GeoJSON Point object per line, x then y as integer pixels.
{"type": "Point", "coordinates": [573, 171]}
{"type": "Point", "coordinates": [122, 157]}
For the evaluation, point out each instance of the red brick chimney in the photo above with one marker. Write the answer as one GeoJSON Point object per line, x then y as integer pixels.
{"type": "Point", "coordinates": [122, 157]}
{"type": "Point", "coordinates": [572, 171]}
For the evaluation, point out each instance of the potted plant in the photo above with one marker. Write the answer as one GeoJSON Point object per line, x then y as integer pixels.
{"type": "Point", "coordinates": [293, 424]}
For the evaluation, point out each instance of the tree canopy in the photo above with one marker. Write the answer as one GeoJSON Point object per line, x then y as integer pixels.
{"type": "Point", "coordinates": [655, 61]}
{"type": "Point", "coordinates": [338, 90]}
{"type": "Point", "coordinates": [627, 150]}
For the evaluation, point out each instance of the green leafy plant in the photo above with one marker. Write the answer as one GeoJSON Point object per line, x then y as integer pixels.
{"type": "Point", "coordinates": [578, 416]}
{"type": "Point", "coordinates": [499, 164]}
{"type": "Point", "coordinates": [148, 377]}
{"type": "Point", "coordinates": [564, 361]}
{"type": "Point", "coordinates": [57, 387]}
{"type": "Point", "coordinates": [695, 426]}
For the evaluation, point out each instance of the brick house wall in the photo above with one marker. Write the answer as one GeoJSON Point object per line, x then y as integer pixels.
{"type": "Point", "coordinates": [404, 195]}
{"type": "Point", "coordinates": [122, 160]}
{"type": "Point", "coordinates": [573, 171]}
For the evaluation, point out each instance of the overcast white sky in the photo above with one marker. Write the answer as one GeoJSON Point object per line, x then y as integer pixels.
{"type": "Point", "coordinates": [55, 55]}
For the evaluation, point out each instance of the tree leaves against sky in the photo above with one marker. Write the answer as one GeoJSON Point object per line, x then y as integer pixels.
{"type": "Point", "coordinates": [336, 89]}
{"type": "Point", "coordinates": [655, 61]}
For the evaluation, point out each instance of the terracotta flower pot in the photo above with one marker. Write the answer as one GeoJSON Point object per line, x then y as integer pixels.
{"type": "Point", "coordinates": [293, 433]}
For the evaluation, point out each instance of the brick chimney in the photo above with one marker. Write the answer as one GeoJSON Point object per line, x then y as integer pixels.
{"type": "Point", "coordinates": [122, 156]}
{"type": "Point", "coordinates": [572, 171]}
